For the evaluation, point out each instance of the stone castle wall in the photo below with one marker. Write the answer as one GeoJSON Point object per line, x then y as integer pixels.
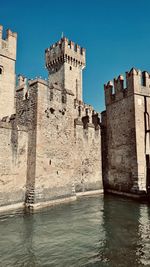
{"type": "Point", "coordinates": [13, 163]}
{"type": "Point", "coordinates": [62, 157]}
{"type": "Point", "coordinates": [7, 72]}
{"type": "Point", "coordinates": [125, 134]}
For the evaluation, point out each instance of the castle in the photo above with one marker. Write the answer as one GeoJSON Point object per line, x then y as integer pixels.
{"type": "Point", "coordinates": [54, 147]}
{"type": "Point", "coordinates": [50, 149]}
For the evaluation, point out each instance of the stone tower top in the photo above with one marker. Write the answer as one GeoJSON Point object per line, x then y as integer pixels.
{"type": "Point", "coordinates": [65, 50]}
{"type": "Point", "coordinates": [7, 72]}
{"type": "Point", "coordinates": [8, 45]}
{"type": "Point", "coordinates": [137, 82]}
{"type": "Point", "coordinates": [65, 61]}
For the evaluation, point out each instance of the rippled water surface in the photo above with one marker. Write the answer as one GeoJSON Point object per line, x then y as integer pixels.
{"type": "Point", "coordinates": [97, 231]}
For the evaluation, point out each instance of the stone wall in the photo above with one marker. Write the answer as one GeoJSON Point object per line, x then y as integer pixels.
{"type": "Point", "coordinates": [125, 133]}
{"type": "Point", "coordinates": [51, 146]}
{"type": "Point", "coordinates": [55, 145]}
{"type": "Point", "coordinates": [120, 169]}
{"type": "Point", "coordinates": [13, 163]}
{"type": "Point", "coordinates": [7, 72]}
{"type": "Point", "coordinates": [88, 174]}
{"type": "Point", "coordinates": [121, 145]}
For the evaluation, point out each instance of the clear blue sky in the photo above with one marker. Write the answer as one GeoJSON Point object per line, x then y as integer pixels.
{"type": "Point", "coordinates": [115, 33]}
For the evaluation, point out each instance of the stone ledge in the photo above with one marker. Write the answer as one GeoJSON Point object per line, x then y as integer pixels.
{"type": "Point", "coordinates": [15, 206]}
{"type": "Point", "coordinates": [90, 193]}
{"type": "Point", "coordinates": [131, 195]}
{"type": "Point", "coordinates": [41, 205]}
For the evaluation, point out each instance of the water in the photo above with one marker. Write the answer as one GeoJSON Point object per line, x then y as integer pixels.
{"type": "Point", "coordinates": [97, 231]}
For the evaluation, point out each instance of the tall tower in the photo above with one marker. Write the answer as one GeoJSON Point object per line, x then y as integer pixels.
{"type": "Point", "coordinates": [7, 72]}
{"type": "Point", "coordinates": [65, 62]}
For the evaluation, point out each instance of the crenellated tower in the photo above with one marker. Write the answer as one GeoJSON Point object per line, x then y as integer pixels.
{"type": "Point", "coordinates": [127, 123]}
{"type": "Point", "coordinates": [65, 62]}
{"type": "Point", "coordinates": [7, 72]}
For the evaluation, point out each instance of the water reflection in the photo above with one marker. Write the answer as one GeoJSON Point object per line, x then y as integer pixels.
{"type": "Point", "coordinates": [105, 232]}
{"type": "Point", "coordinates": [127, 231]}
{"type": "Point", "coordinates": [143, 251]}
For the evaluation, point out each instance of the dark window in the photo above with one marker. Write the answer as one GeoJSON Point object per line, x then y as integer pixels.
{"type": "Point", "coordinates": [1, 70]}
{"type": "Point", "coordinates": [64, 98]}
{"type": "Point", "coordinates": [70, 68]}
{"type": "Point", "coordinates": [51, 95]}
{"type": "Point", "coordinates": [143, 79]}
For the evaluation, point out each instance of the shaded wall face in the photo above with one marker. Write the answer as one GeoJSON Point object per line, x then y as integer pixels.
{"type": "Point", "coordinates": [13, 164]}
{"type": "Point", "coordinates": [121, 145]}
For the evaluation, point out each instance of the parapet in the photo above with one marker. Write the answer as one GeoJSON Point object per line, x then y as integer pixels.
{"type": "Point", "coordinates": [137, 82]}
{"type": "Point", "coordinates": [65, 51]}
{"type": "Point", "coordinates": [9, 44]}
{"type": "Point", "coordinates": [86, 115]}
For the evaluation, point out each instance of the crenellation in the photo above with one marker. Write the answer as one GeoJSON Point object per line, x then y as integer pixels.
{"type": "Point", "coordinates": [137, 82]}
{"type": "Point", "coordinates": [86, 114]}
{"type": "Point", "coordinates": [7, 72]}
{"type": "Point", "coordinates": [119, 84]}
{"type": "Point", "coordinates": [108, 88]}
{"type": "Point", "coordinates": [21, 80]}
{"type": "Point", "coordinates": [8, 45]}
{"type": "Point", "coordinates": [125, 146]}
{"type": "Point", "coordinates": [64, 50]}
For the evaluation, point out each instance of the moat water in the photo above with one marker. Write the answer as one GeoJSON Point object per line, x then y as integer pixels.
{"type": "Point", "coordinates": [97, 231]}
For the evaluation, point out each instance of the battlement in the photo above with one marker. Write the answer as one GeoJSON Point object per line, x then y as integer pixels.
{"type": "Point", "coordinates": [65, 51]}
{"type": "Point", "coordinates": [86, 115]}
{"type": "Point", "coordinates": [137, 82]}
{"type": "Point", "coordinates": [82, 108]}
{"type": "Point", "coordinates": [8, 45]}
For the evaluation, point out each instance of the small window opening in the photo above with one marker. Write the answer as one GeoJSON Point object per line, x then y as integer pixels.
{"type": "Point", "coordinates": [63, 99]}
{"type": "Point", "coordinates": [143, 79]}
{"type": "Point", "coordinates": [70, 68]}
{"type": "Point", "coordinates": [50, 162]}
{"type": "Point", "coordinates": [86, 111]}
{"type": "Point", "coordinates": [52, 110]}
{"type": "Point", "coordinates": [51, 95]}
{"type": "Point", "coordinates": [1, 71]}
{"type": "Point", "coordinates": [79, 110]}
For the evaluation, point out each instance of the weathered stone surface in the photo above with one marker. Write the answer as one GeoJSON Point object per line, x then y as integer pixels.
{"type": "Point", "coordinates": [7, 73]}
{"type": "Point", "coordinates": [13, 163]}
{"type": "Point", "coordinates": [125, 133]}
{"type": "Point", "coordinates": [51, 146]}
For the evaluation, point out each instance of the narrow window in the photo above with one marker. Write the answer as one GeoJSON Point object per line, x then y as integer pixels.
{"type": "Point", "coordinates": [70, 68]}
{"type": "Point", "coordinates": [64, 97]}
{"type": "Point", "coordinates": [76, 89]}
{"type": "Point", "coordinates": [143, 79]}
{"type": "Point", "coordinates": [51, 95]}
{"type": "Point", "coordinates": [1, 70]}
{"type": "Point", "coordinates": [79, 110]}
